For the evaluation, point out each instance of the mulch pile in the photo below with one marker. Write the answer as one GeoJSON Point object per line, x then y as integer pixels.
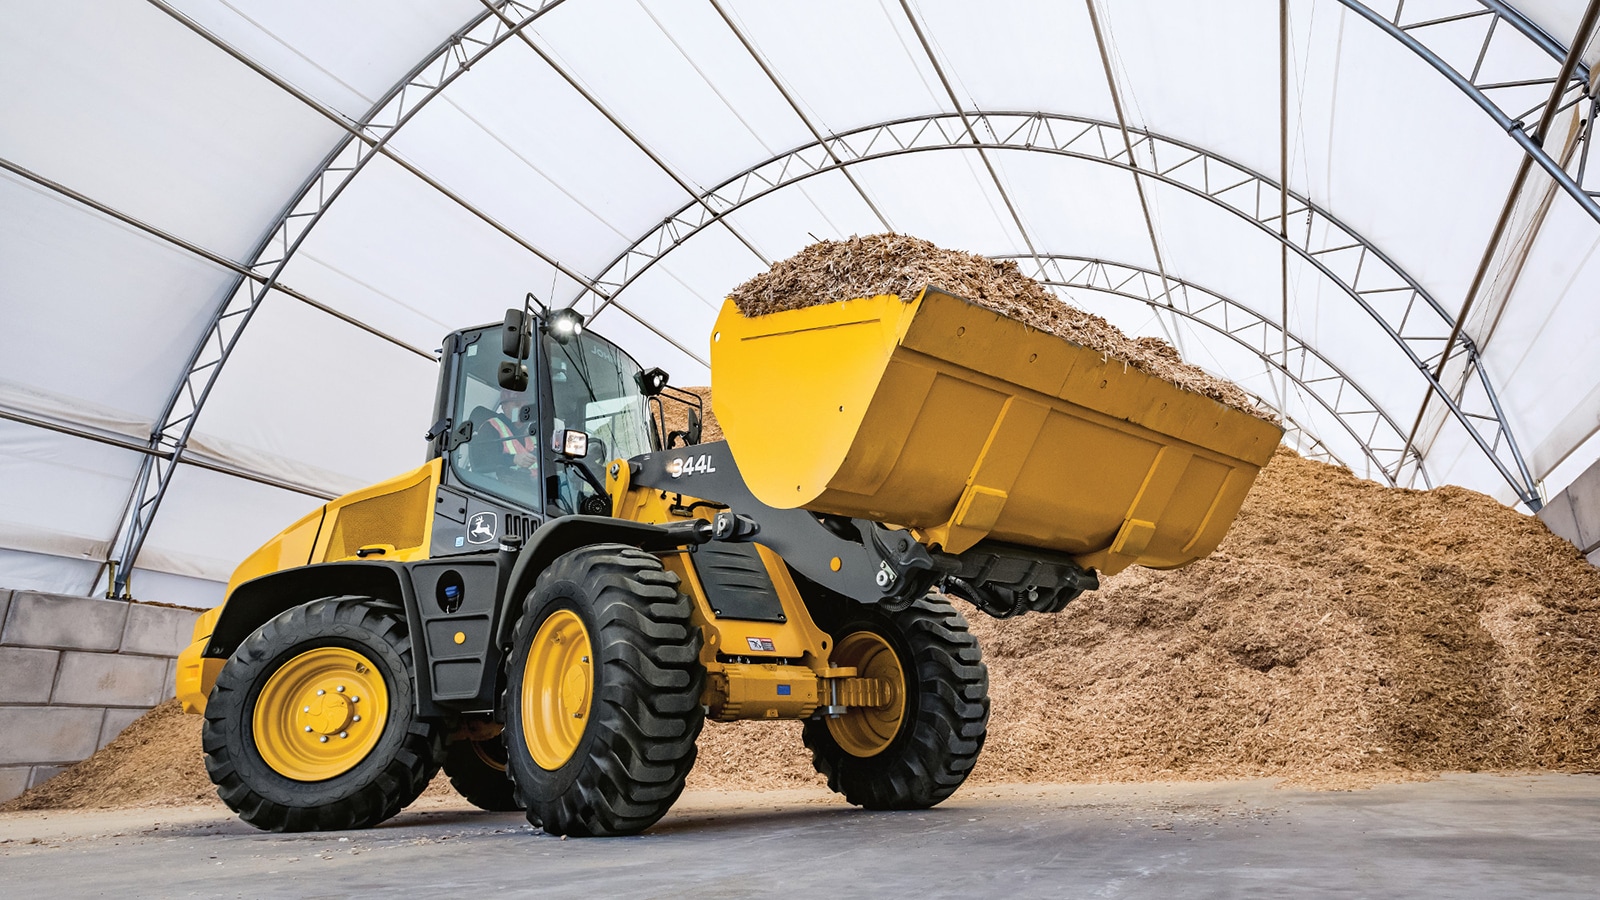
{"type": "Point", "coordinates": [1344, 633]}
{"type": "Point", "coordinates": [831, 271]}
{"type": "Point", "coordinates": [677, 415]}
{"type": "Point", "coordinates": [155, 761]}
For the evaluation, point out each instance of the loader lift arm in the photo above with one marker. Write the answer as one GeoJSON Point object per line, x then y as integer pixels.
{"type": "Point", "coordinates": [860, 558]}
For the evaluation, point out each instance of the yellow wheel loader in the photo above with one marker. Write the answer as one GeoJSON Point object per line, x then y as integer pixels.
{"type": "Point", "coordinates": [555, 602]}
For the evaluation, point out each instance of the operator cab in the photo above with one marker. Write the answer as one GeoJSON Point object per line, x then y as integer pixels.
{"type": "Point", "coordinates": [517, 456]}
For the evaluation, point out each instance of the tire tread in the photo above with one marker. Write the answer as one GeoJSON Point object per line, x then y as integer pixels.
{"type": "Point", "coordinates": [399, 781]}
{"type": "Point", "coordinates": [647, 716]}
{"type": "Point", "coordinates": [924, 767]}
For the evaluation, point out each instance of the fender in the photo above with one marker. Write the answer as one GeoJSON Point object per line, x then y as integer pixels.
{"type": "Point", "coordinates": [254, 602]}
{"type": "Point", "coordinates": [564, 535]}
{"type": "Point", "coordinates": [447, 680]}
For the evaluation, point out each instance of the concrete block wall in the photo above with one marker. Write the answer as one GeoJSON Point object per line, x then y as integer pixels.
{"type": "Point", "coordinates": [74, 672]}
{"type": "Point", "coordinates": [1575, 513]}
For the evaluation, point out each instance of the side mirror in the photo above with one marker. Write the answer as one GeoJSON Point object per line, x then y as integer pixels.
{"type": "Point", "coordinates": [515, 336]}
{"type": "Point", "coordinates": [513, 375]}
{"type": "Point", "coordinates": [571, 443]}
{"type": "Point", "coordinates": [651, 381]}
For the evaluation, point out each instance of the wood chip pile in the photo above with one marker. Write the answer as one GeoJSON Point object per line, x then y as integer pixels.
{"type": "Point", "coordinates": [1344, 633]}
{"type": "Point", "coordinates": [155, 761]}
{"type": "Point", "coordinates": [830, 271]}
{"type": "Point", "coordinates": [677, 416]}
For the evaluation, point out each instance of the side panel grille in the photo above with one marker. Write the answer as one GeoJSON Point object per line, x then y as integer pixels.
{"type": "Point", "coordinates": [520, 526]}
{"type": "Point", "coordinates": [399, 518]}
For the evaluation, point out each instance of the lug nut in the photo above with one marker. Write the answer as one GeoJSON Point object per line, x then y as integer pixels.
{"type": "Point", "coordinates": [308, 727]}
{"type": "Point", "coordinates": [340, 688]}
{"type": "Point", "coordinates": [355, 718]}
{"type": "Point", "coordinates": [354, 699]}
{"type": "Point", "coordinates": [320, 692]}
{"type": "Point", "coordinates": [305, 709]}
{"type": "Point", "coordinates": [344, 734]}
{"type": "Point", "coordinates": [586, 659]}
{"type": "Point", "coordinates": [323, 739]}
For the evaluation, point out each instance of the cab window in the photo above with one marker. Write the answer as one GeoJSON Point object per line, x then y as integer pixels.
{"type": "Point", "coordinates": [594, 388]}
{"type": "Point", "coordinates": [503, 455]}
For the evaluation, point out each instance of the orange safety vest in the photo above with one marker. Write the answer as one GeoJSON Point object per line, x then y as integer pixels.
{"type": "Point", "coordinates": [509, 442]}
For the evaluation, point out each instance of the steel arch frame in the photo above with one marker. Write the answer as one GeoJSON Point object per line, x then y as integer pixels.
{"type": "Point", "coordinates": [1307, 444]}
{"type": "Point", "coordinates": [1417, 323]}
{"type": "Point", "coordinates": [1335, 391]}
{"type": "Point", "coordinates": [616, 122]}
{"type": "Point", "coordinates": [451, 57]}
{"type": "Point", "coordinates": [1495, 97]}
{"type": "Point", "coordinates": [468, 44]}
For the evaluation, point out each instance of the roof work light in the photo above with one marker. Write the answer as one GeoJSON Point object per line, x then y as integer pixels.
{"type": "Point", "coordinates": [565, 324]}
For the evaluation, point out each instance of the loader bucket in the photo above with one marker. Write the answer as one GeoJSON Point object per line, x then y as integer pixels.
{"type": "Point", "coordinates": [947, 418]}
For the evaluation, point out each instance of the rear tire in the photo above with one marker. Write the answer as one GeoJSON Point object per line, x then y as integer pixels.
{"type": "Point", "coordinates": [288, 758]}
{"type": "Point", "coordinates": [477, 771]}
{"type": "Point", "coordinates": [603, 693]}
{"type": "Point", "coordinates": [944, 718]}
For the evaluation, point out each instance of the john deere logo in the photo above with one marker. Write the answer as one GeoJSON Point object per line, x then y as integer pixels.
{"type": "Point", "coordinates": [480, 528]}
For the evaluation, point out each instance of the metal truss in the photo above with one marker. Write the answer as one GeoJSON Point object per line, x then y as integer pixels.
{"type": "Point", "coordinates": [1307, 444]}
{"type": "Point", "coordinates": [955, 103]}
{"type": "Point", "coordinates": [794, 105]}
{"type": "Point", "coordinates": [78, 429]}
{"type": "Point", "coordinates": [1380, 438]}
{"type": "Point", "coordinates": [122, 442]}
{"type": "Point", "coordinates": [618, 124]}
{"type": "Point", "coordinates": [201, 252]}
{"type": "Point", "coordinates": [368, 138]}
{"type": "Point", "coordinates": [1419, 326]}
{"type": "Point", "coordinates": [1405, 311]}
{"type": "Point", "coordinates": [1512, 76]}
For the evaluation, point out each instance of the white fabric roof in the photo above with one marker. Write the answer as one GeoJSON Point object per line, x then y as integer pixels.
{"type": "Point", "coordinates": [153, 150]}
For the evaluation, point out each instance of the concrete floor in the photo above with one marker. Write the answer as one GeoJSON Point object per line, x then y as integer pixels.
{"type": "Point", "coordinates": [1461, 836]}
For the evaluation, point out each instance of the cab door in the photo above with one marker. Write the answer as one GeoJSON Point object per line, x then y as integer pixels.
{"type": "Point", "coordinates": [495, 460]}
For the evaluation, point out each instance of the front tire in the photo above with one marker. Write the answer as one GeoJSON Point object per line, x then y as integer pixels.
{"type": "Point", "coordinates": [916, 750]}
{"type": "Point", "coordinates": [312, 725]}
{"type": "Point", "coordinates": [603, 693]}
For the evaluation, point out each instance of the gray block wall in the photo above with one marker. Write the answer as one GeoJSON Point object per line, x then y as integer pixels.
{"type": "Point", "coordinates": [1575, 513]}
{"type": "Point", "coordinates": [74, 672]}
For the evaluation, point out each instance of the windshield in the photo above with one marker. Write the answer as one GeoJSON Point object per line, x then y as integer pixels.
{"type": "Point", "coordinates": [503, 455]}
{"type": "Point", "coordinates": [595, 390]}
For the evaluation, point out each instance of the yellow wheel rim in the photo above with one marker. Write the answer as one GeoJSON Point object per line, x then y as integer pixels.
{"type": "Point", "coordinates": [320, 714]}
{"type": "Point", "coordinates": [557, 686]}
{"type": "Point", "coordinates": [489, 758]}
{"type": "Point", "coordinates": [866, 731]}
